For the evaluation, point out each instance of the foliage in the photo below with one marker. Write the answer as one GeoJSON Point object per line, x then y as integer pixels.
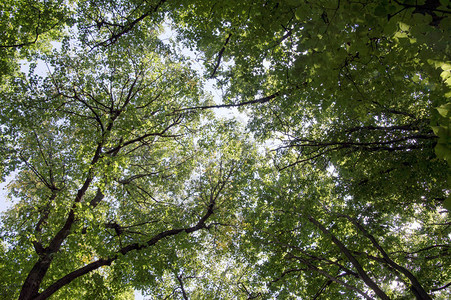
{"type": "Point", "coordinates": [27, 25]}
{"type": "Point", "coordinates": [338, 187]}
{"type": "Point", "coordinates": [360, 89]}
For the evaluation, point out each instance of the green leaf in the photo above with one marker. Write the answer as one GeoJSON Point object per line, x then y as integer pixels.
{"type": "Point", "coordinates": [447, 203]}
{"type": "Point", "coordinates": [443, 151]}
{"type": "Point", "coordinates": [380, 11]}
{"type": "Point", "coordinates": [445, 110]}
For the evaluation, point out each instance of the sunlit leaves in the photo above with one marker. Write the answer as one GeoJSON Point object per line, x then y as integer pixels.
{"type": "Point", "coordinates": [340, 171]}
{"type": "Point", "coordinates": [27, 26]}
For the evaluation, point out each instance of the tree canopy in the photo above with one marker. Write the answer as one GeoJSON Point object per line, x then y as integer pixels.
{"type": "Point", "coordinates": [127, 176]}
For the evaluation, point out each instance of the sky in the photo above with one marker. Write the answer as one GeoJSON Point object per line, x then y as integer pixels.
{"type": "Point", "coordinates": [5, 203]}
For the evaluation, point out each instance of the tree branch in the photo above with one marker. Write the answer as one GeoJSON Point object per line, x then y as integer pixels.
{"type": "Point", "coordinates": [124, 250]}
{"type": "Point", "coordinates": [362, 273]}
{"type": "Point", "coordinates": [185, 296]}
{"type": "Point", "coordinates": [333, 278]}
{"type": "Point", "coordinates": [129, 26]}
{"type": "Point", "coordinates": [256, 101]}
{"type": "Point", "coordinates": [221, 52]}
{"type": "Point", "coordinates": [416, 287]}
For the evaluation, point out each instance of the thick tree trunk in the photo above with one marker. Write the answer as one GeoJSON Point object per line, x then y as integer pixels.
{"type": "Point", "coordinates": [30, 288]}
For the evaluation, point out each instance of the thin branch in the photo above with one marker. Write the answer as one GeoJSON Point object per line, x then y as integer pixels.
{"type": "Point", "coordinates": [425, 8]}
{"type": "Point", "coordinates": [362, 273]}
{"type": "Point", "coordinates": [36, 172]}
{"type": "Point", "coordinates": [144, 136]}
{"type": "Point", "coordinates": [441, 288]}
{"type": "Point", "coordinates": [256, 101]}
{"type": "Point", "coordinates": [322, 289]}
{"type": "Point", "coordinates": [423, 249]}
{"type": "Point", "coordinates": [333, 278]}
{"type": "Point", "coordinates": [221, 52]}
{"type": "Point", "coordinates": [348, 144]}
{"type": "Point", "coordinates": [123, 251]}
{"type": "Point", "coordinates": [128, 27]}
{"type": "Point", "coordinates": [416, 287]}
{"type": "Point", "coordinates": [185, 296]}
{"type": "Point", "coordinates": [37, 34]}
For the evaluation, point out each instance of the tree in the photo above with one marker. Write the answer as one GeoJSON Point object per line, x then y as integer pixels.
{"type": "Point", "coordinates": [107, 167]}
{"type": "Point", "coordinates": [317, 242]}
{"type": "Point", "coordinates": [28, 25]}
{"type": "Point", "coordinates": [127, 181]}
{"type": "Point", "coordinates": [358, 88]}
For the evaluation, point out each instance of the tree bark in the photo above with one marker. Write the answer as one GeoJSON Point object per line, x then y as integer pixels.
{"type": "Point", "coordinates": [362, 274]}
{"type": "Point", "coordinates": [416, 286]}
